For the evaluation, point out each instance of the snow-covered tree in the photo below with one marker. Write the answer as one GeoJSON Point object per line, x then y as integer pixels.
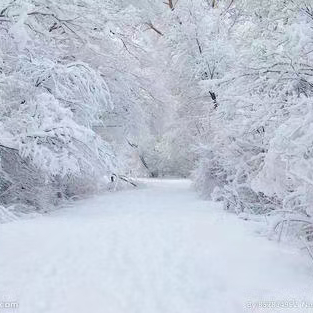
{"type": "Point", "coordinates": [77, 93]}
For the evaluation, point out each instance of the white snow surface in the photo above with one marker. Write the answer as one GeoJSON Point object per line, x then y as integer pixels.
{"type": "Point", "coordinates": [155, 249]}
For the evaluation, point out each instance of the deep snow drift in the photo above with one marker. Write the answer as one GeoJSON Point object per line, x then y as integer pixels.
{"type": "Point", "coordinates": [157, 249]}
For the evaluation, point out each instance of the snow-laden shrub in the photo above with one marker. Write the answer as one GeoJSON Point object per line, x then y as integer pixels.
{"type": "Point", "coordinates": [46, 155]}
{"type": "Point", "coordinates": [48, 148]}
{"type": "Point", "coordinates": [288, 166]}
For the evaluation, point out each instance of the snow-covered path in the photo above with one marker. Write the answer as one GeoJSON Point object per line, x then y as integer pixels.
{"type": "Point", "coordinates": [157, 249]}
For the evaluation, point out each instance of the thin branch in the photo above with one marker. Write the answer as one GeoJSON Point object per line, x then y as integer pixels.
{"type": "Point", "coordinates": [151, 26]}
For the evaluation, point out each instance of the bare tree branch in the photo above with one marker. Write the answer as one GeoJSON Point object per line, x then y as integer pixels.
{"type": "Point", "coordinates": [151, 26]}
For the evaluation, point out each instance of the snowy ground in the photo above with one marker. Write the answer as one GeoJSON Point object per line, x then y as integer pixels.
{"type": "Point", "coordinates": [157, 249]}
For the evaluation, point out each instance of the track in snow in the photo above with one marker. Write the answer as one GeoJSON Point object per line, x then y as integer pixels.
{"type": "Point", "coordinates": [157, 249]}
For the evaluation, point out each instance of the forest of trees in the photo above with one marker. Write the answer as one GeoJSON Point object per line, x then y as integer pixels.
{"type": "Point", "coordinates": [221, 90]}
